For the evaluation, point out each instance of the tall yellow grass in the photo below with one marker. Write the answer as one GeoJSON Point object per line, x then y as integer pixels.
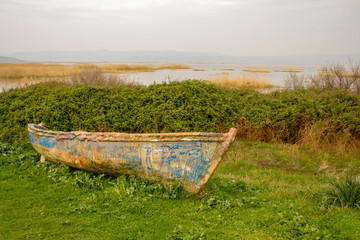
{"type": "Point", "coordinates": [35, 70]}
{"type": "Point", "coordinates": [290, 69]}
{"type": "Point", "coordinates": [172, 66]}
{"type": "Point", "coordinates": [344, 73]}
{"type": "Point", "coordinates": [41, 70]}
{"type": "Point", "coordinates": [323, 137]}
{"type": "Point", "coordinates": [126, 68]}
{"type": "Point", "coordinates": [224, 69]}
{"type": "Point", "coordinates": [257, 70]}
{"type": "Point", "coordinates": [248, 81]}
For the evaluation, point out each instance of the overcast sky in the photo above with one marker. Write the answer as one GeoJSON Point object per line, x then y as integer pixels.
{"type": "Point", "coordinates": [233, 27]}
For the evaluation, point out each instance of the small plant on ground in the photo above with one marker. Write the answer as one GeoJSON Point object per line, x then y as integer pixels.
{"type": "Point", "coordinates": [343, 192]}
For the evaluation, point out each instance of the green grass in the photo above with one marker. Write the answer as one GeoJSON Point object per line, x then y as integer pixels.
{"type": "Point", "coordinates": [250, 196]}
{"type": "Point", "coordinates": [261, 190]}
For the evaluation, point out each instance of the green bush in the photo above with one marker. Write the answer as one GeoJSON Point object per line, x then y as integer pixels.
{"type": "Point", "coordinates": [178, 107]}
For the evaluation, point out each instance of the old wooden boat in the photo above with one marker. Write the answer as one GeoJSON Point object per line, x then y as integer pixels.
{"type": "Point", "coordinates": [190, 158]}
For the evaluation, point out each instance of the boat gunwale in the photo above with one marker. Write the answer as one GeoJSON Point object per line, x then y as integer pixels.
{"type": "Point", "coordinates": [40, 130]}
{"type": "Point", "coordinates": [223, 142]}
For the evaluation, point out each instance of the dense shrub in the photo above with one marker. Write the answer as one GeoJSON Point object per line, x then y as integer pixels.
{"type": "Point", "coordinates": [286, 116]}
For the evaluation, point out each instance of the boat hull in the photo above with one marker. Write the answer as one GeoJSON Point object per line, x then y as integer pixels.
{"type": "Point", "coordinates": [189, 158]}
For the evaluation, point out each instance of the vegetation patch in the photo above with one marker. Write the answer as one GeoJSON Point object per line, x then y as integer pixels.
{"type": "Point", "coordinates": [172, 66]}
{"type": "Point", "coordinates": [344, 192]}
{"type": "Point", "coordinates": [334, 76]}
{"type": "Point", "coordinates": [257, 70]}
{"type": "Point", "coordinates": [290, 69]}
{"type": "Point", "coordinates": [309, 117]}
{"type": "Point", "coordinates": [124, 68]}
{"type": "Point", "coordinates": [243, 200]}
{"type": "Point", "coordinates": [224, 69]}
{"type": "Point", "coordinates": [35, 70]}
{"type": "Point", "coordinates": [38, 71]}
{"type": "Point", "coordinates": [240, 81]}
{"type": "Point", "coordinates": [261, 190]}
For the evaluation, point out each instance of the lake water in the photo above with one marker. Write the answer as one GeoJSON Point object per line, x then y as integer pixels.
{"type": "Point", "coordinates": [204, 71]}
{"type": "Point", "coordinates": [199, 71]}
{"type": "Point", "coordinates": [6, 84]}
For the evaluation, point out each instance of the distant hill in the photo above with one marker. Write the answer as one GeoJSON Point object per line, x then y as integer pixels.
{"type": "Point", "coordinates": [10, 60]}
{"type": "Point", "coordinates": [123, 56]}
{"type": "Point", "coordinates": [175, 56]}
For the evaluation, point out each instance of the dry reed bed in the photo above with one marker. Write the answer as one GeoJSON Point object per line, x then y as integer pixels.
{"type": "Point", "coordinates": [172, 66]}
{"type": "Point", "coordinates": [41, 70]}
{"type": "Point", "coordinates": [335, 74]}
{"type": "Point", "coordinates": [257, 70]}
{"type": "Point", "coordinates": [224, 69]}
{"type": "Point", "coordinates": [35, 70]}
{"type": "Point", "coordinates": [239, 81]}
{"type": "Point", "coordinates": [290, 69]}
{"type": "Point", "coordinates": [318, 136]}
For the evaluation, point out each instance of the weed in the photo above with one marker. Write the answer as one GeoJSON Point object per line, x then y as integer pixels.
{"type": "Point", "coordinates": [181, 234]}
{"type": "Point", "coordinates": [343, 192]}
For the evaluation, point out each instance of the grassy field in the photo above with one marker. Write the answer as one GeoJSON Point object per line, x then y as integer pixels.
{"type": "Point", "coordinates": [259, 191]}
{"type": "Point", "coordinates": [273, 183]}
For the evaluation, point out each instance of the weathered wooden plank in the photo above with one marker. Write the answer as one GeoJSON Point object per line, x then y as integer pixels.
{"type": "Point", "coordinates": [190, 158]}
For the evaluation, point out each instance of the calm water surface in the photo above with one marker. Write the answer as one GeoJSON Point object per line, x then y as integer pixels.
{"type": "Point", "coordinates": [6, 84]}
{"type": "Point", "coordinates": [207, 70]}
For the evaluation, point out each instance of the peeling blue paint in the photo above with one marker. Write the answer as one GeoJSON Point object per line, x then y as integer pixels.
{"type": "Point", "coordinates": [185, 161]}
{"type": "Point", "coordinates": [48, 142]}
